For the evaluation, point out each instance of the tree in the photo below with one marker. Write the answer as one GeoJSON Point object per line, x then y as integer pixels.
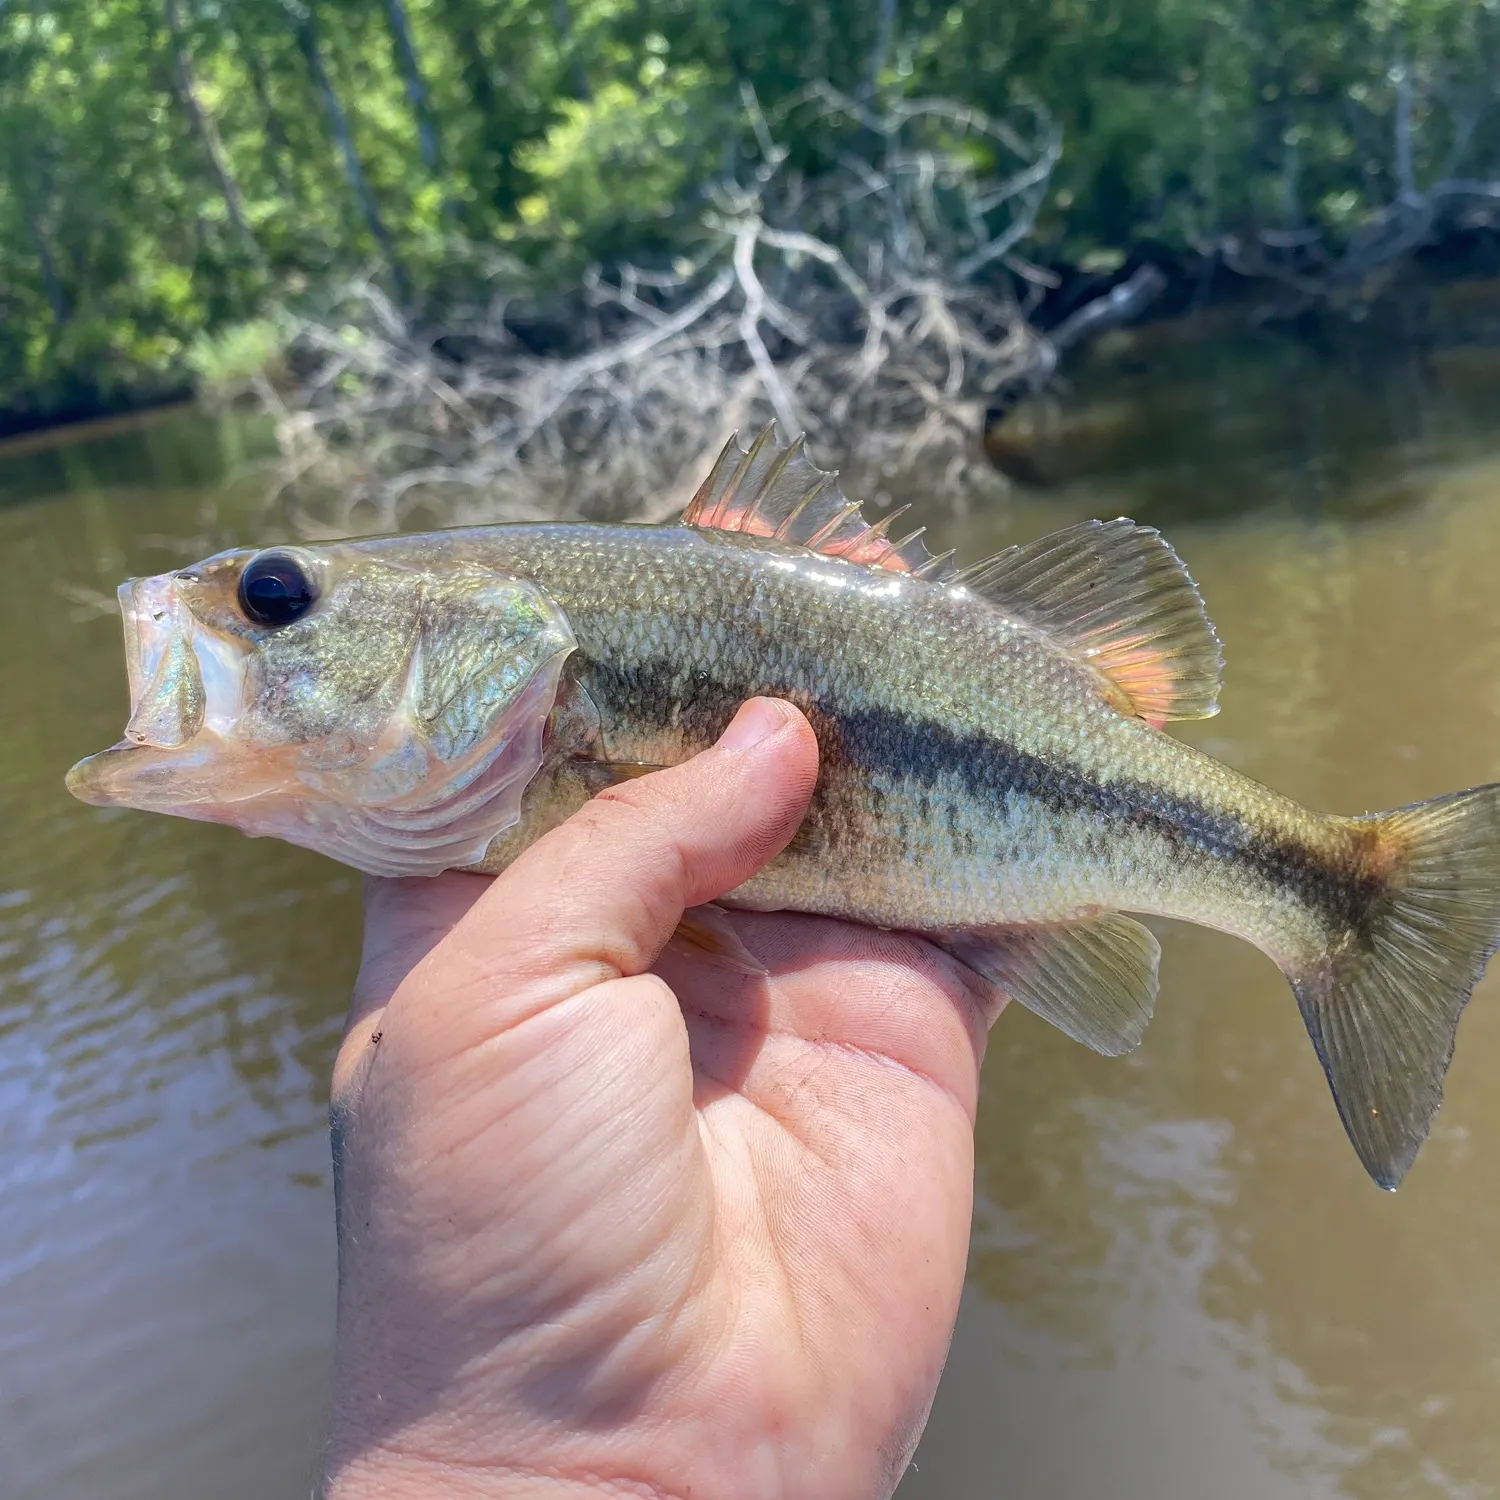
{"type": "Point", "coordinates": [203, 121]}
{"type": "Point", "coordinates": [170, 168]}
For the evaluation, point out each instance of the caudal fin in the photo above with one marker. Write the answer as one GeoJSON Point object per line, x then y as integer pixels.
{"type": "Point", "coordinates": [1382, 1006]}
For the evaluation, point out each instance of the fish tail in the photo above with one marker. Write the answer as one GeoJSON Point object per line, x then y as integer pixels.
{"type": "Point", "coordinates": [1382, 1003]}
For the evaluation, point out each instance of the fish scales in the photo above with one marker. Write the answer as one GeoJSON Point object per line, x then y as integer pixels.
{"type": "Point", "coordinates": [948, 794]}
{"type": "Point", "coordinates": [993, 768]}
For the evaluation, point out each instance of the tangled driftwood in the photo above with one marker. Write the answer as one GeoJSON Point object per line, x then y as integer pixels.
{"type": "Point", "coordinates": [877, 303]}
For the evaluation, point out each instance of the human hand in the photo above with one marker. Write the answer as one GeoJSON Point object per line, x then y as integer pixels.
{"type": "Point", "coordinates": [624, 1221]}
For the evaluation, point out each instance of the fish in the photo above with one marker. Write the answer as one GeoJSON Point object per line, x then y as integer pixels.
{"type": "Point", "coordinates": [995, 772]}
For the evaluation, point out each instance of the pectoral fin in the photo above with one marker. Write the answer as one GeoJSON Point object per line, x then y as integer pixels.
{"type": "Point", "coordinates": [483, 640]}
{"type": "Point", "coordinates": [465, 742]}
{"type": "Point", "coordinates": [599, 774]}
{"type": "Point", "coordinates": [1095, 979]}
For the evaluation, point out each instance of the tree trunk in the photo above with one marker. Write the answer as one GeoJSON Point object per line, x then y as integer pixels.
{"type": "Point", "coordinates": [885, 24]}
{"type": "Point", "coordinates": [473, 62]}
{"type": "Point", "coordinates": [338, 122]}
{"type": "Point", "coordinates": [203, 122]}
{"type": "Point", "coordinates": [276, 141]}
{"type": "Point", "coordinates": [493, 158]}
{"type": "Point", "coordinates": [51, 282]}
{"type": "Point", "coordinates": [562, 23]}
{"type": "Point", "coordinates": [416, 85]}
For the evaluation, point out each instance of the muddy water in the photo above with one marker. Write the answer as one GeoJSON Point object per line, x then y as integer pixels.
{"type": "Point", "coordinates": [1182, 1284]}
{"type": "Point", "coordinates": [167, 1011]}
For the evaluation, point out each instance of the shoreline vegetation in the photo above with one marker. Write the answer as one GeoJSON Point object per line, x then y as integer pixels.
{"type": "Point", "coordinates": [467, 251]}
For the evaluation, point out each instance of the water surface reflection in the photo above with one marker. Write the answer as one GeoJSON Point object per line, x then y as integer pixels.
{"type": "Point", "coordinates": [1182, 1283]}
{"type": "Point", "coordinates": [168, 999]}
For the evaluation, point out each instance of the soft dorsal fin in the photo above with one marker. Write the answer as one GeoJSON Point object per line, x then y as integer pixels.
{"type": "Point", "coordinates": [774, 491]}
{"type": "Point", "coordinates": [1117, 596]}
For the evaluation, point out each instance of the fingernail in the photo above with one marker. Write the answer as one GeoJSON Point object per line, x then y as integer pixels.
{"type": "Point", "coordinates": [757, 720]}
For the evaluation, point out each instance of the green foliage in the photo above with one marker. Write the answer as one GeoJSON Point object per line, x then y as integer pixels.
{"type": "Point", "coordinates": [237, 353]}
{"type": "Point", "coordinates": [169, 168]}
{"type": "Point", "coordinates": [617, 166]}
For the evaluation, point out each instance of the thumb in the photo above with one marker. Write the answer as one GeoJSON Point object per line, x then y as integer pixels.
{"type": "Point", "coordinates": [600, 896]}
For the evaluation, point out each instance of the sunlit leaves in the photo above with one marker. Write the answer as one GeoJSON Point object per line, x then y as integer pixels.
{"type": "Point", "coordinates": [574, 129]}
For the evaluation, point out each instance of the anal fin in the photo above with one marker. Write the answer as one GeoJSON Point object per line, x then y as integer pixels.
{"type": "Point", "coordinates": [1094, 979]}
{"type": "Point", "coordinates": [705, 932]}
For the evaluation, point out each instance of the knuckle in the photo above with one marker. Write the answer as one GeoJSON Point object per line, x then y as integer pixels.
{"type": "Point", "coordinates": [607, 816]}
{"type": "Point", "coordinates": [632, 821]}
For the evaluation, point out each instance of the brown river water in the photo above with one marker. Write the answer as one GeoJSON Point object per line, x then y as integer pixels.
{"type": "Point", "coordinates": [1182, 1284]}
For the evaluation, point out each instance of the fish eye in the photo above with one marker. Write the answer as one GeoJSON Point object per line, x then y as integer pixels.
{"type": "Point", "coordinates": [276, 589]}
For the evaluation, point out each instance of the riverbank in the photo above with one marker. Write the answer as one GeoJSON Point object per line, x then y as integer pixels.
{"type": "Point", "coordinates": [18, 438]}
{"type": "Point", "coordinates": [1445, 297]}
{"type": "Point", "coordinates": [177, 174]}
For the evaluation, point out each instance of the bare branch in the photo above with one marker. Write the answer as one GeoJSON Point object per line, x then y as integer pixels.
{"type": "Point", "coordinates": [871, 304]}
{"type": "Point", "coordinates": [750, 316]}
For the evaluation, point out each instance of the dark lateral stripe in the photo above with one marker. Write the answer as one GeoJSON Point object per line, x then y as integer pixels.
{"type": "Point", "coordinates": [987, 770]}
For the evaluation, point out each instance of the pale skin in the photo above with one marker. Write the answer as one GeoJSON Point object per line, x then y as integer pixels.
{"type": "Point", "coordinates": [622, 1220]}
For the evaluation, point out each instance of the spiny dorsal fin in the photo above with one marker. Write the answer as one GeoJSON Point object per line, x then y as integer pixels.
{"type": "Point", "coordinates": [1117, 596]}
{"type": "Point", "coordinates": [774, 491]}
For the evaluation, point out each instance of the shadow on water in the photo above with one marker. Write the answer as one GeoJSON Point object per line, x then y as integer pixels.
{"type": "Point", "coordinates": [1349, 428]}
{"type": "Point", "coordinates": [1181, 1282]}
{"type": "Point", "coordinates": [171, 448]}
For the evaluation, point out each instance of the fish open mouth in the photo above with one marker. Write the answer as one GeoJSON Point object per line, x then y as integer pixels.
{"type": "Point", "coordinates": [183, 676]}
{"type": "Point", "coordinates": [167, 697]}
{"type": "Point", "coordinates": [185, 685]}
{"type": "Point", "coordinates": [130, 617]}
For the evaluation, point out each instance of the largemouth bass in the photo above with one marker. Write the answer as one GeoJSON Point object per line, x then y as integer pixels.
{"type": "Point", "coordinates": [994, 773]}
